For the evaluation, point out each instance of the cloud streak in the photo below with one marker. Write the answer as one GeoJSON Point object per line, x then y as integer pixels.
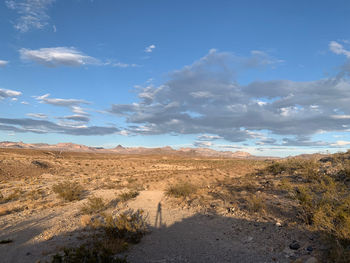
{"type": "Point", "coordinates": [7, 93]}
{"type": "Point", "coordinates": [32, 13]}
{"type": "Point", "coordinates": [3, 63]}
{"type": "Point", "coordinates": [74, 103]}
{"type": "Point", "coordinates": [44, 126]}
{"type": "Point", "coordinates": [58, 56]}
{"type": "Point", "coordinates": [150, 48]}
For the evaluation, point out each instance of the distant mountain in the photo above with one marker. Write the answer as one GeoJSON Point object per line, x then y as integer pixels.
{"type": "Point", "coordinates": [167, 150]}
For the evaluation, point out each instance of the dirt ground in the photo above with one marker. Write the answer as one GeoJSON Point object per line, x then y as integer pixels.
{"type": "Point", "coordinates": [234, 215]}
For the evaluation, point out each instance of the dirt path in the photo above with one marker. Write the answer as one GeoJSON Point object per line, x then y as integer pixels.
{"type": "Point", "coordinates": [184, 236]}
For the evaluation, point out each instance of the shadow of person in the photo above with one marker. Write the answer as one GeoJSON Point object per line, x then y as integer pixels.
{"type": "Point", "coordinates": [158, 223]}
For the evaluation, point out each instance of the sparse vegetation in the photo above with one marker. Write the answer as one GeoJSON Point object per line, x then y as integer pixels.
{"type": "Point", "coordinates": [182, 189]}
{"type": "Point", "coordinates": [95, 254]}
{"type": "Point", "coordinates": [255, 203]}
{"type": "Point", "coordinates": [94, 205]}
{"type": "Point", "coordinates": [129, 226]}
{"type": "Point", "coordinates": [68, 191]}
{"type": "Point", "coordinates": [126, 196]}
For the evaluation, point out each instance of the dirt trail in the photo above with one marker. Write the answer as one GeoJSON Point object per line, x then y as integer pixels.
{"type": "Point", "coordinates": [184, 236]}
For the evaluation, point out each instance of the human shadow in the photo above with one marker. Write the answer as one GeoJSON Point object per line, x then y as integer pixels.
{"type": "Point", "coordinates": [199, 238]}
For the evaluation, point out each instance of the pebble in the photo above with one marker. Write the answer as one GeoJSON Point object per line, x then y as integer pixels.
{"type": "Point", "coordinates": [294, 245]}
{"type": "Point", "coordinates": [309, 248]}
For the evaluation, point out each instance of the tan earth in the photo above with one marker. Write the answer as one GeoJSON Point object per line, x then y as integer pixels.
{"type": "Point", "coordinates": [215, 223]}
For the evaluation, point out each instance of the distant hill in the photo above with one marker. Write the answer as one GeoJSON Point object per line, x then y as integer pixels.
{"type": "Point", "coordinates": [167, 150]}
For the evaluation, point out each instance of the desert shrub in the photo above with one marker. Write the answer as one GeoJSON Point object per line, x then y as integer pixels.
{"type": "Point", "coordinates": [324, 200]}
{"type": "Point", "coordinates": [36, 194]}
{"type": "Point", "coordinates": [96, 254]}
{"type": "Point", "coordinates": [130, 226]}
{"type": "Point", "coordinates": [182, 189]}
{"type": "Point", "coordinates": [128, 195]}
{"type": "Point", "coordinates": [15, 195]}
{"type": "Point", "coordinates": [255, 203]}
{"type": "Point", "coordinates": [68, 191]}
{"type": "Point", "coordinates": [94, 205]}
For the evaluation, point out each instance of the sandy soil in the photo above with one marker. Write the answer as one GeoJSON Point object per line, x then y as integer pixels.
{"type": "Point", "coordinates": [214, 225]}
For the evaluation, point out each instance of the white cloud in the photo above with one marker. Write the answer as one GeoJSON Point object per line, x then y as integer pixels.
{"type": "Point", "coordinates": [124, 65]}
{"type": "Point", "coordinates": [60, 102]}
{"type": "Point", "coordinates": [58, 56]}
{"type": "Point", "coordinates": [338, 49]}
{"type": "Point", "coordinates": [7, 93]}
{"type": "Point", "coordinates": [32, 13]}
{"type": "Point", "coordinates": [150, 48]}
{"type": "Point", "coordinates": [3, 63]}
{"type": "Point", "coordinates": [205, 98]}
{"type": "Point", "coordinates": [37, 115]}
{"type": "Point", "coordinates": [340, 143]}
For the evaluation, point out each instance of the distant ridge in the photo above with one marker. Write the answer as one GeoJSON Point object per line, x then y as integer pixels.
{"type": "Point", "coordinates": [167, 150]}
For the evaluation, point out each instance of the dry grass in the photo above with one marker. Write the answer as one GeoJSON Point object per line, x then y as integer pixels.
{"type": "Point", "coordinates": [182, 189]}
{"type": "Point", "coordinates": [93, 205]}
{"type": "Point", "coordinates": [126, 196]}
{"type": "Point", "coordinates": [68, 191]}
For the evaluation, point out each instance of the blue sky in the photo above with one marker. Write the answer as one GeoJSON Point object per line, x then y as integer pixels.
{"type": "Point", "coordinates": [267, 77]}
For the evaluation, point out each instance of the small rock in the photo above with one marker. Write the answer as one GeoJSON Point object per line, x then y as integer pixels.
{"type": "Point", "coordinates": [309, 248]}
{"type": "Point", "coordinates": [312, 260]}
{"type": "Point", "coordinates": [294, 245]}
{"type": "Point", "coordinates": [278, 224]}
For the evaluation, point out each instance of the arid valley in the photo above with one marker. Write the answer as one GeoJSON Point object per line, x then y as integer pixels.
{"type": "Point", "coordinates": [66, 206]}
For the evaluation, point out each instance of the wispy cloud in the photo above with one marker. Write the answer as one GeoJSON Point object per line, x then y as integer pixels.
{"type": "Point", "coordinates": [45, 126]}
{"type": "Point", "coordinates": [125, 65]}
{"type": "Point", "coordinates": [32, 13]}
{"type": "Point", "coordinates": [150, 48]}
{"type": "Point", "coordinates": [76, 117]}
{"type": "Point", "coordinates": [37, 115]}
{"type": "Point", "coordinates": [60, 102]}
{"type": "Point", "coordinates": [7, 93]}
{"type": "Point", "coordinates": [3, 63]}
{"type": "Point", "coordinates": [338, 49]}
{"type": "Point", "coordinates": [58, 56]}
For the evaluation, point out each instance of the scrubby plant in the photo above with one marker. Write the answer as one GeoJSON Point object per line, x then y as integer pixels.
{"type": "Point", "coordinates": [94, 205]}
{"type": "Point", "coordinates": [130, 226]}
{"type": "Point", "coordinates": [128, 195]}
{"type": "Point", "coordinates": [255, 203]}
{"type": "Point", "coordinates": [96, 254]}
{"type": "Point", "coordinates": [182, 189]}
{"type": "Point", "coordinates": [324, 199]}
{"type": "Point", "coordinates": [68, 191]}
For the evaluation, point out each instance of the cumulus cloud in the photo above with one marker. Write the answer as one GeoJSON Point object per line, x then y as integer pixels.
{"type": "Point", "coordinates": [205, 98]}
{"type": "Point", "coordinates": [150, 48]}
{"type": "Point", "coordinates": [3, 63]}
{"type": "Point", "coordinates": [44, 126]}
{"type": "Point", "coordinates": [58, 56]}
{"type": "Point", "coordinates": [32, 13]}
{"type": "Point", "coordinates": [7, 93]}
